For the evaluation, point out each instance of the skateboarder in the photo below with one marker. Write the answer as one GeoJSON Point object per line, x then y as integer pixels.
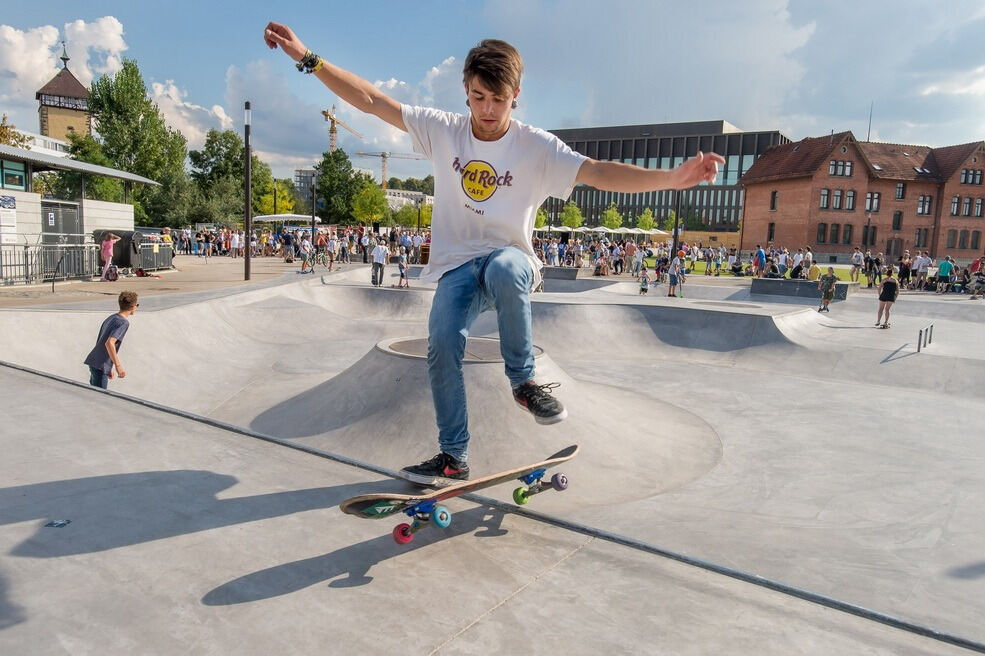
{"type": "Point", "coordinates": [491, 174]}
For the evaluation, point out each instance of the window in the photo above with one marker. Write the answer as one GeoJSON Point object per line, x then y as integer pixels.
{"type": "Point", "coordinates": [900, 190]}
{"type": "Point", "coordinates": [836, 199]}
{"type": "Point", "coordinates": [850, 200]}
{"type": "Point", "coordinates": [964, 176]}
{"type": "Point", "coordinates": [966, 206]}
{"type": "Point", "coordinates": [923, 234]}
{"type": "Point", "coordinates": [897, 221]}
{"type": "Point", "coordinates": [771, 232]}
{"type": "Point", "coordinates": [976, 240]}
{"type": "Point", "coordinates": [13, 176]}
{"type": "Point", "coordinates": [846, 234]}
{"type": "Point", "coordinates": [822, 232]}
{"type": "Point", "coordinates": [872, 201]}
{"type": "Point", "coordinates": [868, 235]}
{"type": "Point", "coordinates": [978, 177]}
{"type": "Point", "coordinates": [824, 199]}
{"type": "Point", "coordinates": [923, 204]}
{"type": "Point", "coordinates": [840, 168]}
{"type": "Point", "coordinates": [978, 207]}
{"type": "Point", "coordinates": [954, 205]}
{"type": "Point", "coordinates": [834, 234]}
{"type": "Point", "coordinates": [773, 195]}
{"type": "Point", "coordinates": [963, 239]}
{"type": "Point", "coordinates": [952, 238]}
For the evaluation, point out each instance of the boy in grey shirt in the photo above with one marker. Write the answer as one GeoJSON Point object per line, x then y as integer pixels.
{"type": "Point", "coordinates": [106, 353]}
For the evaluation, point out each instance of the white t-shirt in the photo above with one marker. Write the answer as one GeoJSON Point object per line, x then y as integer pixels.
{"type": "Point", "coordinates": [486, 192]}
{"type": "Point", "coordinates": [798, 258]}
{"type": "Point", "coordinates": [380, 254]}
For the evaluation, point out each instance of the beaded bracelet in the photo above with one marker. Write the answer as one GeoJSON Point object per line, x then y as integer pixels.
{"type": "Point", "coordinates": [310, 63]}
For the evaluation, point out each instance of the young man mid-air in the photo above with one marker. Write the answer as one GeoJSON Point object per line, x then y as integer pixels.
{"type": "Point", "coordinates": [491, 174]}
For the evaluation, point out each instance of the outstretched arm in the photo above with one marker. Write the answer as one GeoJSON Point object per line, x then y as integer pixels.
{"type": "Point", "coordinates": [351, 88]}
{"type": "Point", "coordinates": [626, 178]}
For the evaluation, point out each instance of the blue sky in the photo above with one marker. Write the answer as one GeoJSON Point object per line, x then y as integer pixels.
{"type": "Point", "coordinates": [801, 66]}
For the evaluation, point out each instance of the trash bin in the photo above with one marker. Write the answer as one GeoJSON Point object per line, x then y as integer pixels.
{"type": "Point", "coordinates": [425, 253]}
{"type": "Point", "coordinates": [126, 252]}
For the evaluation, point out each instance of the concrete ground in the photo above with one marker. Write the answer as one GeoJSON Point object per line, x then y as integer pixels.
{"type": "Point", "coordinates": [750, 432]}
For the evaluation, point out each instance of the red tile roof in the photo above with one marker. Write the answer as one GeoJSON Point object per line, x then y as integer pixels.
{"type": "Point", "coordinates": [64, 84]}
{"type": "Point", "coordinates": [794, 160]}
{"type": "Point", "coordinates": [883, 160]}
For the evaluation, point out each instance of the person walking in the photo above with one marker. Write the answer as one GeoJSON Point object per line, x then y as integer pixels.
{"type": "Point", "coordinates": [105, 355]}
{"type": "Point", "coordinates": [888, 291]}
{"type": "Point", "coordinates": [481, 252]}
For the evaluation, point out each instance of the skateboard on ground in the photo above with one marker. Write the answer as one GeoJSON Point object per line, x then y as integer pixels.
{"type": "Point", "coordinates": [425, 508]}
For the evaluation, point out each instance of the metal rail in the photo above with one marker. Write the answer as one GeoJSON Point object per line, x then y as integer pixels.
{"type": "Point", "coordinates": [925, 337]}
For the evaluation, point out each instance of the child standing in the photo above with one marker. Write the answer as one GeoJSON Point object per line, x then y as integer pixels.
{"type": "Point", "coordinates": [826, 285]}
{"type": "Point", "coordinates": [644, 282]}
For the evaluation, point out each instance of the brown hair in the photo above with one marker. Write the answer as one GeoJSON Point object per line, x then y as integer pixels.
{"type": "Point", "coordinates": [128, 300]}
{"type": "Point", "coordinates": [496, 64]}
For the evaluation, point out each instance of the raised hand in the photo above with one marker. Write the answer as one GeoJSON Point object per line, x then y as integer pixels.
{"type": "Point", "coordinates": [698, 169]}
{"type": "Point", "coordinates": [276, 34]}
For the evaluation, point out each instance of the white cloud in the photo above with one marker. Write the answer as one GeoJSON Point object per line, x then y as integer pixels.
{"type": "Point", "coordinates": [961, 83]}
{"type": "Point", "coordinates": [29, 59]}
{"type": "Point", "coordinates": [192, 120]}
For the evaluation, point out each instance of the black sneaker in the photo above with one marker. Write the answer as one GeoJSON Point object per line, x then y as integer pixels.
{"type": "Point", "coordinates": [441, 469]}
{"type": "Point", "coordinates": [538, 400]}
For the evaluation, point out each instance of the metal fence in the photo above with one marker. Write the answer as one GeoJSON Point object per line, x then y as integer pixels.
{"type": "Point", "coordinates": [50, 262]}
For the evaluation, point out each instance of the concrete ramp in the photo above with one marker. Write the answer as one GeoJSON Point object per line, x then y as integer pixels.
{"type": "Point", "coordinates": [380, 410]}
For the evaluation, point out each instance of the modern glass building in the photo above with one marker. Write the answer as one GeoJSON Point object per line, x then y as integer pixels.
{"type": "Point", "coordinates": [667, 145]}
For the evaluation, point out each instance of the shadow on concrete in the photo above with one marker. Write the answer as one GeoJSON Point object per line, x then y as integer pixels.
{"type": "Point", "coordinates": [353, 561]}
{"type": "Point", "coordinates": [108, 512]}
{"type": "Point", "coordinates": [972, 571]}
{"type": "Point", "coordinates": [10, 613]}
{"type": "Point", "coordinates": [898, 354]}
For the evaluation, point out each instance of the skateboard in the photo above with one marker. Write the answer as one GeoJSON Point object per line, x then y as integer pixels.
{"type": "Point", "coordinates": [425, 508]}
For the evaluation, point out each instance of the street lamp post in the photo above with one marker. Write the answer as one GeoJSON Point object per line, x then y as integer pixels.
{"type": "Point", "coordinates": [677, 220]}
{"type": "Point", "coordinates": [867, 237]}
{"type": "Point", "coordinates": [248, 223]}
{"type": "Point", "coordinates": [313, 191]}
{"type": "Point", "coordinates": [420, 201]}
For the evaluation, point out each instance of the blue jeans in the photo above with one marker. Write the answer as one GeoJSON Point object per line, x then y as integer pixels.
{"type": "Point", "coordinates": [500, 281]}
{"type": "Point", "coordinates": [98, 378]}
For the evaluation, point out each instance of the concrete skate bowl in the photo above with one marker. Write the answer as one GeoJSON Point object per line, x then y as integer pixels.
{"type": "Point", "coordinates": [380, 410]}
{"type": "Point", "coordinates": [713, 335]}
{"type": "Point", "coordinates": [359, 301]}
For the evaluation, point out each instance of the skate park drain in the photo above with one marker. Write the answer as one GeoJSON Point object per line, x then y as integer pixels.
{"type": "Point", "coordinates": [58, 523]}
{"type": "Point", "coordinates": [477, 349]}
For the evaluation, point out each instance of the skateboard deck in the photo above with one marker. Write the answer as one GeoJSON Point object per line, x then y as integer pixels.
{"type": "Point", "coordinates": [425, 508]}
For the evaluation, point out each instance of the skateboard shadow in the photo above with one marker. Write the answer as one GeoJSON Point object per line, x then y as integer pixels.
{"type": "Point", "coordinates": [119, 510]}
{"type": "Point", "coordinates": [354, 561]}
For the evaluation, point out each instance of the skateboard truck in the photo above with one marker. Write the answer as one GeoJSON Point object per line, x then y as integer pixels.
{"type": "Point", "coordinates": [423, 514]}
{"type": "Point", "coordinates": [536, 485]}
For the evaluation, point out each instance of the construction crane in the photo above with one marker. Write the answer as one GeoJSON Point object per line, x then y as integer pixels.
{"type": "Point", "coordinates": [384, 156]}
{"type": "Point", "coordinates": [333, 132]}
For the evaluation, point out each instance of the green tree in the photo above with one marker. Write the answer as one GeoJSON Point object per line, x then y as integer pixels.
{"type": "Point", "coordinates": [370, 204]}
{"type": "Point", "coordinates": [222, 156]}
{"type": "Point", "coordinates": [336, 185]}
{"type": "Point", "coordinates": [668, 222]}
{"type": "Point", "coordinates": [9, 135]}
{"type": "Point", "coordinates": [135, 138]}
{"type": "Point", "coordinates": [541, 220]}
{"type": "Point", "coordinates": [222, 204]}
{"type": "Point", "coordinates": [406, 215]}
{"type": "Point", "coordinates": [571, 216]}
{"type": "Point", "coordinates": [68, 184]}
{"type": "Point", "coordinates": [611, 218]}
{"type": "Point", "coordinates": [645, 220]}
{"type": "Point", "coordinates": [285, 198]}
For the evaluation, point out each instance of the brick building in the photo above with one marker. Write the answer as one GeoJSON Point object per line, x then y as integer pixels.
{"type": "Point", "coordinates": [834, 193]}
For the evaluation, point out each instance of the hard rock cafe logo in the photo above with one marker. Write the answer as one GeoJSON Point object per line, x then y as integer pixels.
{"type": "Point", "coordinates": [479, 179]}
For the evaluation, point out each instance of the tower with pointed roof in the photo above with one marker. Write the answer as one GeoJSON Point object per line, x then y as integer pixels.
{"type": "Point", "coordinates": [64, 104]}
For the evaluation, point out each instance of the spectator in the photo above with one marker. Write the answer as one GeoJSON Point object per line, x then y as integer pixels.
{"type": "Point", "coordinates": [380, 256]}
{"type": "Point", "coordinates": [826, 285]}
{"type": "Point", "coordinates": [944, 270]}
{"type": "Point", "coordinates": [106, 253]}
